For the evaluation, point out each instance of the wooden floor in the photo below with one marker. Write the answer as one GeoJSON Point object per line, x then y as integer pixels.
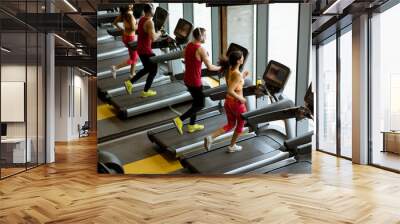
{"type": "Point", "coordinates": [70, 191]}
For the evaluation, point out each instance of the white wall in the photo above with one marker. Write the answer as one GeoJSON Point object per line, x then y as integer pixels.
{"type": "Point", "coordinates": [71, 94]}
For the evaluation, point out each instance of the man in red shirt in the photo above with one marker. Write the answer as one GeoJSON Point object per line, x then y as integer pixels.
{"type": "Point", "coordinates": [146, 36]}
{"type": "Point", "coordinates": [195, 55]}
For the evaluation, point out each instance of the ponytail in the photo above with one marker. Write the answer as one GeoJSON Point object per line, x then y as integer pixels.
{"type": "Point", "coordinates": [124, 12]}
{"type": "Point", "coordinates": [231, 60]}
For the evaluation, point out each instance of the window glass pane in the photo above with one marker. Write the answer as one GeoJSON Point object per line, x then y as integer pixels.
{"type": "Point", "coordinates": [41, 98]}
{"type": "Point", "coordinates": [327, 97]}
{"type": "Point", "coordinates": [385, 84]}
{"type": "Point", "coordinates": [31, 100]}
{"type": "Point", "coordinates": [175, 13]}
{"type": "Point", "coordinates": [241, 30]}
{"type": "Point", "coordinates": [13, 86]}
{"type": "Point", "coordinates": [282, 40]}
{"type": "Point", "coordinates": [202, 18]}
{"type": "Point", "coordinates": [346, 94]}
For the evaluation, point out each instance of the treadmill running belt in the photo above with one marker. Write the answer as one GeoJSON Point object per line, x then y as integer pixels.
{"type": "Point", "coordinates": [163, 91]}
{"type": "Point", "coordinates": [110, 46]}
{"type": "Point", "coordinates": [219, 161]}
{"type": "Point", "coordinates": [104, 66]}
{"type": "Point", "coordinates": [171, 140]}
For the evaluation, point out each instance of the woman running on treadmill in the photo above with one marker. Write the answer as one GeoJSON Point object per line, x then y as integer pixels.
{"type": "Point", "coordinates": [146, 36]}
{"type": "Point", "coordinates": [195, 55]}
{"type": "Point", "coordinates": [234, 101]}
{"type": "Point", "coordinates": [128, 36]}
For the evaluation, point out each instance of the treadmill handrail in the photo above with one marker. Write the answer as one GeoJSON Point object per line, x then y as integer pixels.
{"type": "Point", "coordinates": [262, 115]}
{"type": "Point", "coordinates": [299, 140]}
{"type": "Point", "coordinates": [275, 115]}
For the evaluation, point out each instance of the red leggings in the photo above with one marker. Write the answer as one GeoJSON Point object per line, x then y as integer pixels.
{"type": "Point", "coordinates": [233, 109]}
{"type": "Point", "coordinates": [133, 55]}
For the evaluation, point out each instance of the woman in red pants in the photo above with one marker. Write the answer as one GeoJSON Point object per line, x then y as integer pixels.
{"type": "Point", "coordinates": [234, 101]}
{"type": "Point", "coordinates": [128, 35]}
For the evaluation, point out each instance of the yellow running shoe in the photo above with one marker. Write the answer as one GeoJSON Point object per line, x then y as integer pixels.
{"type": "Point", "coordinates": [128, 86]}
{"type": "Point", "coordinates": [195, 127]}
{"type": "Point", "coordinates": [178, 124]}
{"type": "Point", "coordinates": [148, 93]}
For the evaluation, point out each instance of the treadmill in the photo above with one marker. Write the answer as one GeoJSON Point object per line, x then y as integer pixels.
{"type": "Point", "coordinates": [167, 94]}
{"type": "Point", "coordinates": [109, 87]}
{"type": "Point", "coordinates": [189, 144]}
{"type": "Point", "coordinates": [299, 147]}
{"type": "Point", "coordinates": [110, 49]}
{"type": "Point", "coordinates": [263, 148]}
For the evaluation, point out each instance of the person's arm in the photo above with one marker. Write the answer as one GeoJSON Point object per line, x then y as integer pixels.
{"type": "Point", "coordinates": [245, 74]}
{"type": "Point", "coordinates": [206, 60]}
{"type": "Point", "coordinates": [234, 82]}
{"type": "Point", "coordinates": [151, 31]}
{"type": "Point", "coordinates": [116, 21]}
{"type": "Point", "coordinates": [133, 23]}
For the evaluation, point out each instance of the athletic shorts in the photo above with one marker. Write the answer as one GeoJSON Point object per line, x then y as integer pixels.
{"type": "Point", "coordinates": [133, 55]}
{"type": "Point", "coordinates": [234, 109]}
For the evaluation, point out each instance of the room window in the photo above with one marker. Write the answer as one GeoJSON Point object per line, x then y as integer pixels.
{"type": "Point", "coordinates": [327, 96]}
{"type": "Point", "coordinates": [282, 40]}
{"type": "Point", "coordinates": [202, 18]}
{"type": "Point", "coordinates": [175, 13]}
{"type": "Point", "coordinates": [385, 88]}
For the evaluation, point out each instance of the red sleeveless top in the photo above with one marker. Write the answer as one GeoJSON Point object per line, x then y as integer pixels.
{"type": "Point", "coordinates": [192, 66]}
{"type": "Point", "coordinates": [144, 39]}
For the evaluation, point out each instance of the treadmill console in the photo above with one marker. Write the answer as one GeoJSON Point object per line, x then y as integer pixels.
{"type": "Point", "coordinates": [276, 76]}
{"type": "Point", "coordinates": [182, 31]}
{"type": "Point", "coordinates": [159, 18]}
{"type": "Point", "coordinates": [138, 10]}
{"type": "Point", "coordinates": [236, 47]}
{"type": "Point", "coordinates": [309, 99]}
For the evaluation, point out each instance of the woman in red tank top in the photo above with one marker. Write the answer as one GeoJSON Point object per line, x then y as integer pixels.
{"type": "Point", "coordinates": [128, 36]}
{"type": "Point", "coordinates": [194, 56]}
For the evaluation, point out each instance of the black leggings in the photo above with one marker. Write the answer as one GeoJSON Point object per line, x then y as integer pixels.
{"type": "Point", "coordinates": [198, 103]}
{"type": "Point", "coordinates": [148, 67]}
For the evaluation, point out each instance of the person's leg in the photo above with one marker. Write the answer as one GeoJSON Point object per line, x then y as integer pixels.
{"type": "Point", "coordinates": [240, 108]}
{"type": "Point", "coordinates": [153, 68]}
{"type": "Point", "coordinates": [189, 112]}
{"type": "Point", "coordinates": [132, 57]}
{"type": "Point", "coordinates": [198, 104]}
{"type": "Point", "coordinates": [144, 59]}
{"type": "Point", "coordinates": [197, 95]}
{"type": "Point", "coordinates": [229, 126]}
{"type": "Point", "coordinates": [178, 121]}
{"type": "Point", "coordinates": [135, 78]}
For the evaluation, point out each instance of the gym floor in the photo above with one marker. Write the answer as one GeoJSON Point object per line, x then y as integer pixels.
{"type": "Point", "coordinates": [71, 191]}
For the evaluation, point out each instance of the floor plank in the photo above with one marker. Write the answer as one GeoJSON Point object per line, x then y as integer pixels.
{"type": "Point", "coordinates": [70, 191]}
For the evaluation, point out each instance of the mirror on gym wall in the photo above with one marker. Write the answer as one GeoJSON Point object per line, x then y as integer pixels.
{"type": "Point", "coordinates": [195, 88]}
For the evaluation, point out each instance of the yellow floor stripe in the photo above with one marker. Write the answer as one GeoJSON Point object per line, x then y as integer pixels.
{"type": "Point", "coordinates": [104, 111]}
{"type": "Point", "coordinates": [152, 165]}
{"type": "Point", "coordinates": [212, 82]}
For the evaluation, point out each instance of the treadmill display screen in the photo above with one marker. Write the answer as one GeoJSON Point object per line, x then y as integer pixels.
{"type": "Point", "coordinates": [182, 30]}
{"type": "Point", "coordinates": [276, 76]}
{"type": "Point", "coordinates": [159, 18]}
{"type": "Point", "coordinates": [309, 99]}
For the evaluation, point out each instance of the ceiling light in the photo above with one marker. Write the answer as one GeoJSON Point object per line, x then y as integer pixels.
{"type": "Point", "coordinates": [337, 7]}
{"type": "Point", "coordinates": [5, 50]}
{"type": "Point", "coordinates": [65, 41]}
{"type": "Point", "coordinates": [86, 72]}
{"type": "Point", "coordinates": [70, 5]}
